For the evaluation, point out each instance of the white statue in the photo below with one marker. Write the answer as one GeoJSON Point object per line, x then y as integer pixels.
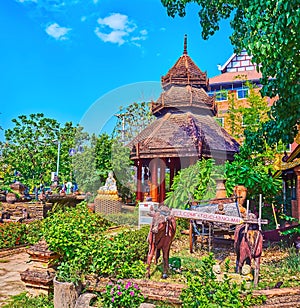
{"type": "Point", "coordinates": [110, 183]}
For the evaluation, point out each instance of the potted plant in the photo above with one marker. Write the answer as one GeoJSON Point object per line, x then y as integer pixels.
{"type": "Point", "coordinates": [67, 284]}
{"type": "Point", "coordinates": [11, 196]}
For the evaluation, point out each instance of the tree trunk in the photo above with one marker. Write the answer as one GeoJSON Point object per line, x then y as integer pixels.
{"type": "Point", "coordinates": [65, 294]}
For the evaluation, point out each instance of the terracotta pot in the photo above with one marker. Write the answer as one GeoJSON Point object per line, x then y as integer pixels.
{"type": "Point", "coordinates": [11, 198]}
{"type": "Point", "coordinates": [220, 189]}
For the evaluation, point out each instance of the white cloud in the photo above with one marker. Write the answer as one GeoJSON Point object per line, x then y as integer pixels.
{"type": "Point", "coordinates": [116, 36]}
{"type": "Point", "coordinates": [23, 1]}
{"type": "Point", "coordinates": [58, 32]}
{"type": "Point", "coordinates": [115, 21]}
{"type": "Point", "coordinates": [118, 29]}
{"type": "Point", "coordinates": [144, 32]}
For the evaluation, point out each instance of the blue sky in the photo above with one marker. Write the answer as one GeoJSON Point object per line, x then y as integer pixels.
{"type": "Point", "coordinates": [79, 60]}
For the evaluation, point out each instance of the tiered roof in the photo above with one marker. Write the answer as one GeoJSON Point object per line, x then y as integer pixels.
{"type": "Point", "coordinates": [185, 86]}
{"type": "Point", "coordinates": [184, 125]}
{"type": "Point", "coordinates": [184, 72]}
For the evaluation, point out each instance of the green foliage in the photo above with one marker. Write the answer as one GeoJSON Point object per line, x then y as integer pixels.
{"type": "Point", "coordinates": [132, 120]}
{"type": "Point", "coordinates": [123, 170]}
{"type": "Point", "coordinates": [80, 238]}
{"type": "Point", "coordinates": [85, 162]}
{"type": "Point", "coordinates": [67, 230]}
{"type": "Point", "coordinates": [190, 184]}
{"type": "Point", "coordinates": [24, 300]}
{"type": "Point", "coordinates": [103, 156]}
{"type": "Point", "coordinates": [16, 233]}
{"type": "Point", "coordinates": [268, 30]}
{"type": "Point", "coordinates": [12, 234]}
{"type": "Point", "coordinates": [30, 149]}
{"type": "Point", "coordinates": [252, 171]}
{"type": "Point", "coordinates": [203, 289]}
{"type": "Point", "coordinates": [111, 154]}
{"type": "Point", "coordinates": [246, 120]}
{"type": "Point", "coordinates": [121, 256]}
{"type": "Point", "coordinates": [129, 219]}
{"type": "Point", "coordinates": [122, 294]}
{"type": "Point", "coordinates": [293, 231]}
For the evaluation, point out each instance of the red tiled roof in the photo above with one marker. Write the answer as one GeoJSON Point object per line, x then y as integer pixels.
{"type": "Point", "coordinates": [231, 77]}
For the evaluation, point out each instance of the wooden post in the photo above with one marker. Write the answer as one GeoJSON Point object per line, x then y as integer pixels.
{"type": "Point", "coordinates": [247, 209]}
{"type": "Point", "coordinates": [259, 213]}
{"type": "Point", "coordinates": [296, 205]}
{"type": "Point", "coordinates": [139, 193]}
{"type": "Point", "coordinates": [172, 171]}
{"type": "Point", "coordinates": [154, 180]}
{"type": "Point", "coordinates": [162, 184]}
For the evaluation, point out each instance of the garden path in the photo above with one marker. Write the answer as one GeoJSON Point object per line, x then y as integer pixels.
{"type": "Point", "coordinates": [10, 281]}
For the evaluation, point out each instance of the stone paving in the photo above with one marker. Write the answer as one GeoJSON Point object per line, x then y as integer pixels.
{"type": "Point", "coordinates": [10, 281]}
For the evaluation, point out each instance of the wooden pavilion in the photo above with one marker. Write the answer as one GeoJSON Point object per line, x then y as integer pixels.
{"type": "Point", "coordinates": [183, 132]}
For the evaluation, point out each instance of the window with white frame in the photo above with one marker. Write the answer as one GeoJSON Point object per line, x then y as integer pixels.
{"type": "Point", "coordinates": [242, 93]}
{"type": "Point", "coordinates": [221, 95]}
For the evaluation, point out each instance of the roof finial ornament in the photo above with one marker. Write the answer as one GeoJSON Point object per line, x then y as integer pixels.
{"type": "Point", "coordinates": [185, 45]}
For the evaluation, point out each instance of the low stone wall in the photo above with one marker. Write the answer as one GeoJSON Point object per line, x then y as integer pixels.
{"type": "Point", "coordinates": [170, 292]}
{"type": "Point", "coordinates": [35, 210]}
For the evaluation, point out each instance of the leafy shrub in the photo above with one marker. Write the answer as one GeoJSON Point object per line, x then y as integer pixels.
{"type": "Point", "coordinates": [203, 290]}
{"type": "Point", "coordinates": [129, 219]}
{"type": "Point", "coordinates": [121, 256]}
{"type": "Point", "coordinates": [79, 237]}
{"type": "Point", "coordinates": [72, 232]}
{"type": "Point", "coordinates": [67, 231]}
{"type": "Point", "coordinates": [122, 294]}
{"type": "Point", "coordinates": [34, 231]}
{"type": "Point", "coordinates": [190, 184]}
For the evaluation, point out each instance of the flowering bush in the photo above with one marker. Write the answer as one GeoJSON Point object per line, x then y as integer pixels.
{"type": "Point", "coordinates": [122, 294]}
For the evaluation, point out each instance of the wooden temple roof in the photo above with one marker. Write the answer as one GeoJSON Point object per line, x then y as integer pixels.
{"type": "Point", "coordinates": [184, 135]}
{"type": "Point", "coordinates": [184, 72]}
{"type": "Point", "coordinates": [184, 125]}
{"type": "Point", "coordinates": [180, 97]}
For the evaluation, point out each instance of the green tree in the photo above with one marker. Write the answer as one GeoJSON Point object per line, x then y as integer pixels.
{"type": "Point", "coordinates": [245, 118]}
{"type": "Point", "coordinates": [84, 162]}
{"type": "Point", "coordinates": [132, 120]}
{"type": "Point", "coordinates": [269, 31]}
{"type": "Point", "coordinates": [30, 149]}
{"type": "Point", "coordinates": [251, 168]}
{"type": "Point", "coordinates": [103, 156]}
{"type": "Point", "coordinates": [123, 169]}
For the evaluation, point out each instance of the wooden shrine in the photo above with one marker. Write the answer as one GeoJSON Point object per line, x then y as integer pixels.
{"type": "Point", "coordinates": [184, 131]}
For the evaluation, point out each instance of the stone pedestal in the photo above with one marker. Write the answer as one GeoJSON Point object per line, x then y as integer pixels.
{"type": "Point", "coordinates": [38, 278]}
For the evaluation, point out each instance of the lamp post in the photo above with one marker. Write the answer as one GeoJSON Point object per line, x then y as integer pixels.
{"type": "Point", "coordinates": [58, 154]}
